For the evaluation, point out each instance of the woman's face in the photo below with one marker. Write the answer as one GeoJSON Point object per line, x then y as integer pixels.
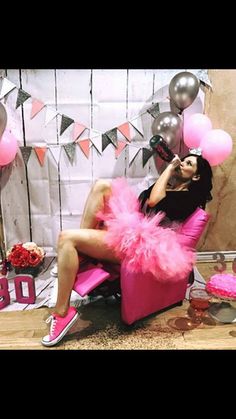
{"type": "Point", "coordinates": [188, 168]}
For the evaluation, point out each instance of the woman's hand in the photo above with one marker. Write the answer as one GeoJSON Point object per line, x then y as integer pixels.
{"type": "Point", "coordinates": [176, 162]}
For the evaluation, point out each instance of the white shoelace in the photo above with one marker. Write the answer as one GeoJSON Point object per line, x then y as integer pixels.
{"type": "Point", "coordinates": [53, 323]}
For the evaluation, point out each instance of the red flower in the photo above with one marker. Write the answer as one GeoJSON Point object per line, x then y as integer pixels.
{"type": "Point", "coordinates": [25, 255]}
{"type": "Point", "coordinates": [34, 258]}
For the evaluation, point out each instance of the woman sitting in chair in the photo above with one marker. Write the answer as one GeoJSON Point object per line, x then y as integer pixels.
{"type": "Point", "coordinates": [117, 226]}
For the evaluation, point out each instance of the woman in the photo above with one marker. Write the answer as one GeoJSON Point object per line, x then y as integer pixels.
{"type": "Point", "coordinates": [182, 187]}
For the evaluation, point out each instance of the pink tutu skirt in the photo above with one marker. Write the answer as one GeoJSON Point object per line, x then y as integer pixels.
{"type": "Point", "coordinates": [139, 241]}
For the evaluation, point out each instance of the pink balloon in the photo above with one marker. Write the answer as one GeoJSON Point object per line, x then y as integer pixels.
{"type": "Point", "coordinates": [216, 146]}
{"type": "Point", "coordinates": [195, 127]}
{"type": "Point", "coordinates": [8, 148]}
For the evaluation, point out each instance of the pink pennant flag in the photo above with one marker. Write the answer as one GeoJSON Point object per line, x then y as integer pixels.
{"type": "Point", "coordinates": [37, 105]}
{"type": "Point", "coordinates": [77, 131]}
{"type": "Point", "coordinates": [125, 130]}
{"type": "Point", "coordinates": [84, 145]}
{"type": "Point", "coordinates": [120, 147]}
{"type": "Point", "coordinates": [40, 153]}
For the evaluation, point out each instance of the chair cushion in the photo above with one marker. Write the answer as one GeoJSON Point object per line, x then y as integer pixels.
{"type": "Point", "coordinates": [89, 279]}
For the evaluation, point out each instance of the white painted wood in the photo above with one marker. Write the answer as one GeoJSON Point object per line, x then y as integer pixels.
{"type": "Point", "coordinates": [14, 199]}
{"type": "Point", "coordinates": [99, 99]}
{"type": "Point", "coordinates": [74, 100]}
{"type": "Point", "coordinates": [109, 111]}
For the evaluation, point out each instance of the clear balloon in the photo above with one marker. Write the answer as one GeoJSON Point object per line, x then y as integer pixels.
{"type": "Point", "coordinates": [216, 146]}
{"type": "Point", "coordinates": [169, 126]}
{"type": "Point", "coordinates": [195, 127]}
{"type": "Point", "coordinates": [183, 89]}
{"type": "Point", "coordinates": [3, 119]}
{"type": "Point", "coordinates": [8, 148]}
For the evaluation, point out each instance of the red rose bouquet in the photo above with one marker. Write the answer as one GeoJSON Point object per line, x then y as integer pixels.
{"type": "Point", "coordinates": [25, 255]}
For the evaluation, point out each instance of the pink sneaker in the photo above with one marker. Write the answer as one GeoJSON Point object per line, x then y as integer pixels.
{"type": "Point", "coordinates": [59, 326]}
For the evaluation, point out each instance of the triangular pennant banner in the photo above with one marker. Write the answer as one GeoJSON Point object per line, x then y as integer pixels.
{"type": "Point", "coordinates": [25, 151]}
{"type": "Point", "coordinates": [21, 97]}
{"type": "Point", "coordinates": [84, 145]}
{"type": "Point", "coordinates": [105, 141]}
{"type": "Point", "coordinates": [56, 152]}
{"type": "Point", "coordinates": [203, 77]}
{"type": "Point", "coordinates": [125, 130]}
{"type": "Point", "coordinates": [7, 86]}
{"type": "Point", "coordinates": [137, 124]}
{"type": "Point", "coordinates": [118, 150]}
{"type": "Point", "coordinates": [146, 155]}
{"type": "Point", "coordinates": [70, 151]}
{"type": "Point", "coordinates": [112, 135]}
{"type": "Point", "coordinates": [97, 142]}
{"type": "Point", "coordinates": [37, 105]}
{"type": "Point", "coordinates": [51, 113]}
{"type": "Point", "coordinates": [154, 110]}
{"type": "Point", "coordinates": [77, 131]}
{"type": "Point", "coordinates": [133, 151]}
{"type": "Point", "coordinates": [65, 123]}
{"type": "Point", "coordinates": [40, 153]}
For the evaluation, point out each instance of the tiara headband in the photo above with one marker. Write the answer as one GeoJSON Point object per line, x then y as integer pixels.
{"type": "Point", "coordinates": [197, 151]}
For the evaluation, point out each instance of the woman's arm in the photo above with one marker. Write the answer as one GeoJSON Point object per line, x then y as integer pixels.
{"type": "Point", "coordinates": [159, 189]}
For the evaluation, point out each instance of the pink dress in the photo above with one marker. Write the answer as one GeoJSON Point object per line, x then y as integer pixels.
{"type": "Point", "coordinates": [139, 241]}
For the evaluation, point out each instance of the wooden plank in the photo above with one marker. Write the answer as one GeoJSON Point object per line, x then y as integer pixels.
{"type": "Point", "coordinates": [74, 100]}
{"type": "Point", "coordinates": [139, 100]}
{"type": "Point", "coordinates": [109, 111]}
{"type": "Point", "coordinates": [13, 182]}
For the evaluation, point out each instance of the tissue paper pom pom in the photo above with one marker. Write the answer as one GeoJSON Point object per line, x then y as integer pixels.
{"type": "Point", "coordinates": [222, 285]}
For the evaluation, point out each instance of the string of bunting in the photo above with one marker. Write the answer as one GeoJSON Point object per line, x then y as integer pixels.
{"type": "Point", "coordinates": [97, 139]}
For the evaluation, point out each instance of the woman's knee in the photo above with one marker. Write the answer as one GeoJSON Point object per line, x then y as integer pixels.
{"type": "Point", "coordinates": [102, 186]}
{"type": "Point", "coordinates": [65, 236]}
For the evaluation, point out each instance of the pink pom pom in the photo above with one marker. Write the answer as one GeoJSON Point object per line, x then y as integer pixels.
{"type": "Point", "coordinates": [222, 285]}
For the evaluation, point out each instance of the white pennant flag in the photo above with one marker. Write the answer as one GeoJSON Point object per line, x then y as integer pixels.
{"type": "Point", "coordinates": [7, 86]}
{"type": "Point", "coordinates": [137, 124]}
{"type": "Point", "coordinates": [203, 76]}
{"type": "Point", "coordinates": [97, 142]}
{"type": "Point", "coordinates": [56, 152]}
{"type": "Point", "coordinates": [133, 151]}
{"type": "Point", "coordinates": [51, 113]}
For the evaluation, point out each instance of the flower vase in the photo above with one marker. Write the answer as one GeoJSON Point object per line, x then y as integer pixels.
{"type": "Point", "coordinates": [30, 270]}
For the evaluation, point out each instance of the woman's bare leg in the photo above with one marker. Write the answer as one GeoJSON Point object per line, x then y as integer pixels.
{"type": "Point", "coordinates": [87, 241]}
{"type": "Point", "coordinates": [95, 202]}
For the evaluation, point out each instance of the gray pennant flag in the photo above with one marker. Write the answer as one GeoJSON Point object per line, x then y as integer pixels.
{"type": "Point", "coordinates": [146, 155]}
{"type": "Point", "coordinates": [26, 151]}
{"type": "Point", "coordinates": [105, 141]}
{"type": "Point", "coordinates": [112, 135]}
{"type": "Point", "coordinates": [21, 97]}
{"type": "Point", "coordinates": [65, 123]}
{"type": "Point", "coordinates": [70, 151]}
{"type": "Point", "coordinates": [154, 110]}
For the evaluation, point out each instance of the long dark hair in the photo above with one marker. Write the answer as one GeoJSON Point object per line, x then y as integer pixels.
{"type": "Point", "coordinates": [202, 187]}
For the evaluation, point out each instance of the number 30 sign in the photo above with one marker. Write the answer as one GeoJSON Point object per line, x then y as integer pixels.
{"type": "Point", "coordinates": [19, 280]}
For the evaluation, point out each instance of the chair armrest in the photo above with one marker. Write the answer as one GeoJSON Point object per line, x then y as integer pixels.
{"type": "Point", "coordinates": [193, 227]}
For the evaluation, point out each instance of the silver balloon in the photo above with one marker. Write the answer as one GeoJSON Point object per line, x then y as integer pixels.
{"type": "Point", "coordinates": [169, 126]}
{"type": "Point", "coordinates": [3, 119]}
{"type": "Point", "coordinates": [183, 89]}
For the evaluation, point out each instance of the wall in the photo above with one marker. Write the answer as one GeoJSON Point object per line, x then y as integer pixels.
{"type": "Point", "coordinates": [220, 105]}
{"type": "Point", "coordinates": [37, 202]}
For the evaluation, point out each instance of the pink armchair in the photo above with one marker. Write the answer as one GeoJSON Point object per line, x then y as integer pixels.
{"type": "Point", "coordinates": [142, 294]}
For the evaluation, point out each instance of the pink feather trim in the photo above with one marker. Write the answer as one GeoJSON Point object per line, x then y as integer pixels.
{"type": "Point", "coordinates": [139, 241]}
